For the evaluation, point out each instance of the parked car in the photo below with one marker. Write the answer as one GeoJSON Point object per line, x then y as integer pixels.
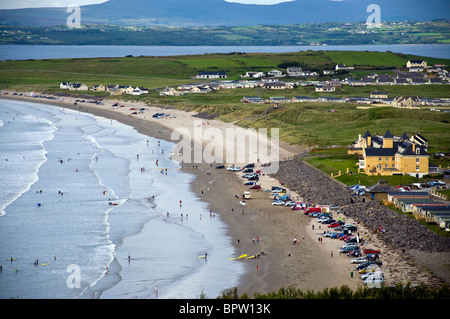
{"type": "Point", "coordinates": [313, 209]}
{"type": "Point", "coordinates": [278, 202]}
{"type": "Point", "coordinates": [370, 269]}
{"type": "Point", "coordinates": [350, 227]}
{"type": "Point", "coordinates": [368, 263]}
{"type": "Point", "coordinates": [290, 203]}
{"type": "Point", "coordinates": [284, 197]}
{"type": "Point", "coordinates": [277, 189]}
{"type": "Point", "coordinates": [372, 274]}
{"type": "Point", "coordinates": [296, 207]}
{"type": "Point", "coordinates": [372, 257]}
{"type": "Point", "coordinates": [368, 251]}
{"type": "Point", "coordinates": [220, 166]}
{"type": "Point", "coordinates": [334, 224]}
{"type": "Point", "coordinates": [256, 187]}
{"type": "Point", "coordinates": [322, 219]}
{"type": "Point", "coordinates": [233, 168]}
{"type": "Point", "coordinates": [348, 249]}
{"type": "Point", "coordinates": [355, 253]}
{"type": "Point", "coordinates": [374, 281]}
{"type": "Point", "coordinates": [349, 245]}
{"type": "Point", "coordinates": [249, 165]}
{"type": "Point", "coordinates": [351, 240]}
{"type": "Point", "coordinates": [358, 260]}
{"type": "Point", "coordinates": [249, 183]}
{"type": "Point", "coordinates": [247, 170]}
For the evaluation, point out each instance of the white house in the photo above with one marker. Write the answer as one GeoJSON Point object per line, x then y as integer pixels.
{"type": "Point", "coordinates": [406, 101]}
{"type": "Point", "coordinates": [99, 88]}
{"type": "Point", "coordinates": [140, 91]}
{"type": "Point", "coordinates": [276, 85]}
{"type": "Point", "coordinates": [78, 87]}
{"type": "Point", "coordinates": [309, 73]}
{"type": "Point", "coordinates": [417, 64]}
{"type": "Point", "coordinates": [65, 85]}
{"type": "Point", "coordinates": [328, 72]}
{"type": "Point", "coordinates": [126, 89]}
{"type": "Point", "coordinates": [200, 89]}
{"type": "Point", "coordinates": [251, 74]}
{"type": "Point", "coordinates": [294, 71]}
{"type": "Point", "coordinates": [343, 67]}
{"type": "Point", "coordinates": [168, 91]}
{"type": "Point", "coordinates": [275, 73]}
{"type": "Point", "coordinates": [211, 75]}
{"type": "Point", "coordinates": [325, 88]}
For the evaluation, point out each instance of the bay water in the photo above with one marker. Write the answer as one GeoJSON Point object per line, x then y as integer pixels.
{"type": "Point", "coordinates": [87, 213]}
{"type": "Point", "coordinates": [24, 52]}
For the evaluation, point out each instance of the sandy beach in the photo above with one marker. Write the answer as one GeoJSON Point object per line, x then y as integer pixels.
{"type": "Point", "coordinates": [259, 227]}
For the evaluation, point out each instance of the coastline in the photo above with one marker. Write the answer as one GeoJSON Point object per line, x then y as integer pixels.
{"type": "Point", "coordinates": [307, 265]}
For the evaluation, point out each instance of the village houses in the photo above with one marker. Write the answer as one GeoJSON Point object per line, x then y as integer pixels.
{"type": "Point", "coordinates": [406, 101]}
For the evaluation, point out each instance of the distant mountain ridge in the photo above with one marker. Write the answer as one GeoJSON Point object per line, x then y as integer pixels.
{"type": "Point", "coordinates": [220, 12]}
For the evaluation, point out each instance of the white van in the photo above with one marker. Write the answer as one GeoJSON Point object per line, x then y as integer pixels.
{"type": "Point", "coordinates": [374, 281]}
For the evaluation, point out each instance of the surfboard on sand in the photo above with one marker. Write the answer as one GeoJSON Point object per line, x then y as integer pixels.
{"type": "Point", "coordinates": [240, 257]}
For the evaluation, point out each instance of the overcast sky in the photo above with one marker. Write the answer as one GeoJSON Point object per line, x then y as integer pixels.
{"type": "Point", "coordinates": [13, 4]}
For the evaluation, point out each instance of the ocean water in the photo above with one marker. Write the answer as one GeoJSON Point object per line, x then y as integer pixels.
{"type": "Point", "coordinates": [81, 194]}
{"type": "Point", "coordinates": [23, 52]}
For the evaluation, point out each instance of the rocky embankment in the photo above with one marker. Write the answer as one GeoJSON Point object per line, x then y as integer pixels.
{"type": "Point", "coordinates": [399, 231]}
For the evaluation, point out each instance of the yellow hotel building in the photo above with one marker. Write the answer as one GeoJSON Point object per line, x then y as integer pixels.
{"type": "Point", "coordinates": [392, 155]}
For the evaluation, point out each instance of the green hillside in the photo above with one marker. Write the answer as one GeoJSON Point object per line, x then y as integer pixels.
{"type": "Point", "coordinates": [300, 123]}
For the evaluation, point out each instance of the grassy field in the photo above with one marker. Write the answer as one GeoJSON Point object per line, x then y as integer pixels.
{"type": "Point", "coordinates": [351, 58]}
{"type": "Point", "coordinates": [308, 124]}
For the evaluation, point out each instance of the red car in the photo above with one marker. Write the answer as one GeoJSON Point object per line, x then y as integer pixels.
{"type": "Point", "coordinates": [371, 251]}
{"type": "Point", "coordinates": [334, 225]}
{"type": "Point", "coordinates": [313, 210]}
{"type": "Point", "coordinates": [256, 187]}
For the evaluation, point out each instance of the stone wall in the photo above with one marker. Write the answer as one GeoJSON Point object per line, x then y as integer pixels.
{"type": "Point", "coordinates": [400, 231]}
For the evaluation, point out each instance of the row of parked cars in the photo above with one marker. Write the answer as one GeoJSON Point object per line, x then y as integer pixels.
{"type": "Point", "coordinates": [369, 268]}
{"type": "Point", "coordinates": [250, 174]}
{"type": "Point", "coordinates": [366, 259]}
{"type": "Point", "coordinates": [368, 263]}
{"type": "Point", "coordinates": [281, 198]}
